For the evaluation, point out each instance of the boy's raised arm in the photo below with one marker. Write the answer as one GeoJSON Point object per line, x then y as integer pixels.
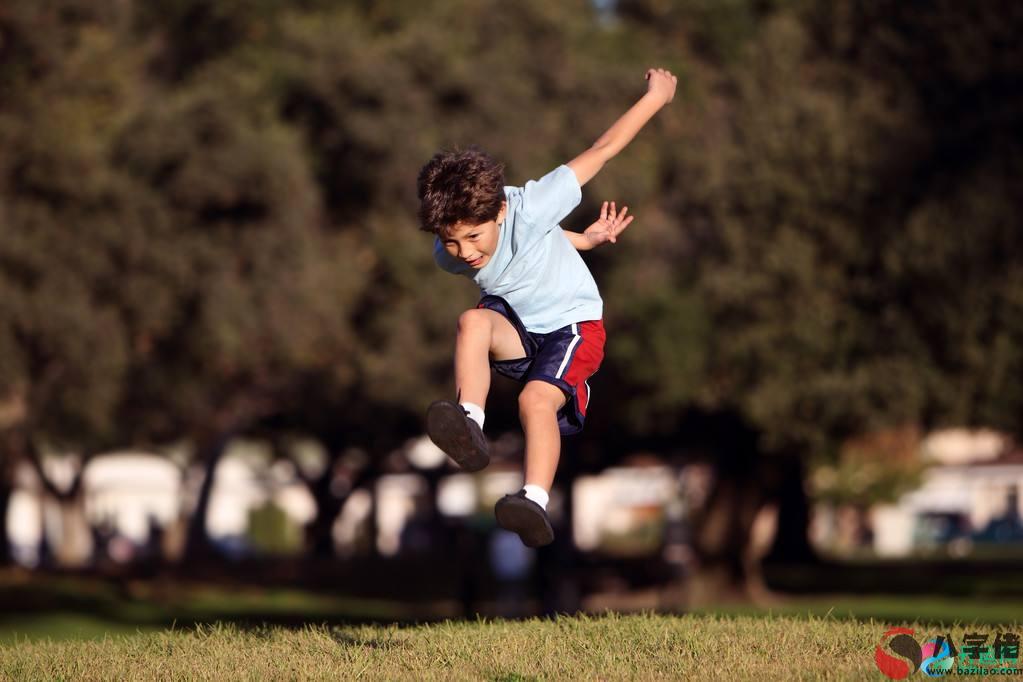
{"type": "Point", "coordinates": [660, 91]}
{"type": "Point", "coordinates": [605, 229]}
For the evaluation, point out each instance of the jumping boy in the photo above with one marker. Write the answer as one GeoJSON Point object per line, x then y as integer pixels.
{"type": "Point", "coordinates": [539, 320]}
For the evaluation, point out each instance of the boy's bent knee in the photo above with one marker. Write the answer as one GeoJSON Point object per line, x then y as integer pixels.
{"type": "Point", "coordinates": [474, 320]}
{"type": "Point", "coordinates": [540, 396]}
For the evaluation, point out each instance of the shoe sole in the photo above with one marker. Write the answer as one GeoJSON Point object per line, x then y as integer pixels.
{"type": "Point", "coordinates": [519, 517]}
{"type": "Point", "coordinates": [446, 425]}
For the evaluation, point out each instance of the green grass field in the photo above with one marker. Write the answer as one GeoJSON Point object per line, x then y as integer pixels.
{"type": "Point", "coordinates": [75, 628]}
{"type": "Point", "coordinates": [641, 647]}
{"type": "Point", "coordinates": [638, 647]}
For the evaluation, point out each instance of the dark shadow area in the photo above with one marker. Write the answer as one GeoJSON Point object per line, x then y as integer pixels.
{"type": "Point", "coordinates": [944, 578]}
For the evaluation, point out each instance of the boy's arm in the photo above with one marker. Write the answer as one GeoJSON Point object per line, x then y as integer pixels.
{"type": "Point", "coordinates": [578, 239]}
{"type": "Point", "coordinates": [605, 229]}
{"type": "Point", "coordinates": [660, 91]}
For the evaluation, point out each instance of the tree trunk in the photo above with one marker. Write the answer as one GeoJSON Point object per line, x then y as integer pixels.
{"type": "Point", "coordinates": [328, 506]}
{"type": "Point", "coordinates": [320, 531]}
{"type": "Point", "coordinates": [66, 530]}
{"type": "Point", "coordinates": [792, 540]}
{"type": "Point", "coordinates": [198, 546]}
{"type": "Point", "coordinates": [726, 567]}
{"type": "Point", "coordinates": [9, 456]}
{"type": "Point", "coordinates": [72, 544]}
{"type": "Point", "coordinates": [5, 500]}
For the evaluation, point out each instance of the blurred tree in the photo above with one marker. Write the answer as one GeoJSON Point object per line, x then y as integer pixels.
{"type": "Point", "coordinates": [871, 469]}
{"type": "Point", "coordinates": [62, 344]}
{"type": "Point", "coordinates": [264, 300]}
{"type": "Point", "coordinates": [845, 299]}
{"type": "Point", "coordinates": [166, 275]}
{"type": "Point", "coordinates": [207, 219]}
{"type": "Point", "coordinates": [373, 107]}
{"type": "Point", "coordinates": [188, 35]}
{"type": "Point", "coordinates": [715, 31]}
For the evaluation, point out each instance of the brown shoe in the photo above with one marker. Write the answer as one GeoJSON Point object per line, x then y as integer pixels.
{"type": "Point", "coordinates": [450, 428]}
{"type": "Point", "coordinates": [521, 515]}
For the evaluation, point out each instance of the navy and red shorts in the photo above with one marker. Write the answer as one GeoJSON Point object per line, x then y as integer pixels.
{"type": "Point", "coordinates": [565, 357]}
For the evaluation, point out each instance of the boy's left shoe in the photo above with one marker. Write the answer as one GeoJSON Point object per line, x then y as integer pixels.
{"type": "Point", "coordinates": [521, 515]}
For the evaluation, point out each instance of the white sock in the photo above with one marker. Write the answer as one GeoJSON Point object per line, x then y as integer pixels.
{"type": "Point", "coordinates": [536, 494]}
{"type": "Point", "coordinates": [475, 413]}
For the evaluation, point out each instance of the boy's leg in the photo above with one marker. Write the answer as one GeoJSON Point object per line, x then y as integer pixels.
{"type": "Point", "coordinates": [482, 334]}
{"type": "Point", "coordinates": [456, 428]}
{"type": "Point", "coordinates": [560, 367]}
{"type": "Point", "coordinates": [522, 513]}
{"type": "Point", "coordinates": [539, 403]}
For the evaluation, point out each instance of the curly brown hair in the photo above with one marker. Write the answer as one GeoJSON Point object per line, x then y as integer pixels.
{"type": "Point", "coordinates": [459, 186]}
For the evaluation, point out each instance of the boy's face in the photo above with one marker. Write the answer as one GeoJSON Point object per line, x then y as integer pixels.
{"type": "Point", "coordinates": [474, 244]}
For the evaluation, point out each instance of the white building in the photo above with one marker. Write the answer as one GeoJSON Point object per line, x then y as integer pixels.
{"type": "Point", "coordinates": [976, 478]}
{"type": "Point", "coordinates": [126, 492]}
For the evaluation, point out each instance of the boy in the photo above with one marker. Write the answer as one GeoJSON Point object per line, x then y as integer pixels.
{"type": "Point", "coordinates": [539, 320]}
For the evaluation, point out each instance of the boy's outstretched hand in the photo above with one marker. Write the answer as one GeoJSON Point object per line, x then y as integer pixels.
{"type": "Point", "coordinates": [610, 224]}
{"type": "Point", "coordinates": [660, 82]}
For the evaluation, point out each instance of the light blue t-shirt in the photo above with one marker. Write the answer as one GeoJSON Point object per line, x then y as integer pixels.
{"type": "Point", "coordinates": [535, 267]}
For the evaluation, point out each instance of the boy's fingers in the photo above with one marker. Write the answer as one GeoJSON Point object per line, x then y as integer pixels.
{"type": "Point", "coordinates": [603, 211]}
{"type": "Point", "coordinates": [622, 214]}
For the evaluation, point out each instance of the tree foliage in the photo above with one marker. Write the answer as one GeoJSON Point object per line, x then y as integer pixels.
{"type": "Point", "coordinates": [207, 211]}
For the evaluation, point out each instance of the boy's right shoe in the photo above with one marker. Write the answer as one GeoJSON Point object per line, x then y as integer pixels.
{"type": "Point", "coordinates": [450, 428]}
{"type": "Point", "coordinates": [521, 515]}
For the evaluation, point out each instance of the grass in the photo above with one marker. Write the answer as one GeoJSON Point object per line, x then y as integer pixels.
{"type": "Point", "coordinates": [928, 610]}
{"type": "Point", "coordinates": [640, 647]}
{"type": "Point", "coordinates": [61, 625]}
{"type": "Point", "coordinates": [66, 625]}
{"type": "Point", "coordinates": [292, 608]}
{"type": "Point", "coordinates": [36, 607]}
{"type": "Point", "coordinates": [83, 629]}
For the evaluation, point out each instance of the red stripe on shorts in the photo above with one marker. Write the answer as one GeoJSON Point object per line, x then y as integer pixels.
{"type": "Point", "coordinates": [588, 356]}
